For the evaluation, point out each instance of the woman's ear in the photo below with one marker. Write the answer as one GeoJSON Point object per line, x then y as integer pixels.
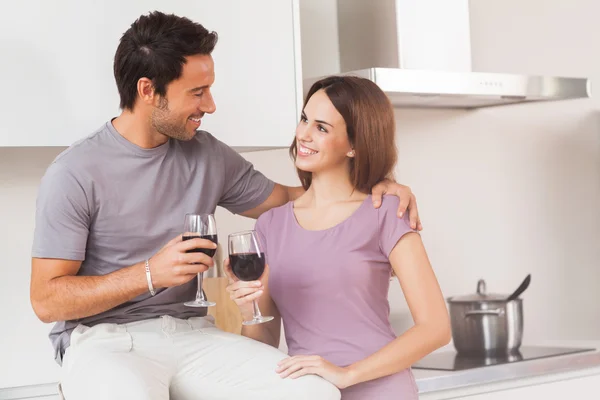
{"type": "Point", "coordinates": [351, 154]}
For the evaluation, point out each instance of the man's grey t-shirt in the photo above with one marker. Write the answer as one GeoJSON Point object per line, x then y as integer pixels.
{"type": "Point", "coordinates": [111, 204]}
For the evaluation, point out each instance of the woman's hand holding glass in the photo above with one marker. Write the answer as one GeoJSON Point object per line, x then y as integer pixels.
{"type": "Point", "coordinates": [244, 293]}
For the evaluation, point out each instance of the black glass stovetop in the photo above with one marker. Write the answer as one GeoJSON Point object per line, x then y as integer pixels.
{"type": "Point", "coordinates": [452, 361]}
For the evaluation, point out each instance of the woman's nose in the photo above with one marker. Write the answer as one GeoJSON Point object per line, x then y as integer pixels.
{"type": "Point", "coordinates": [303, 133]}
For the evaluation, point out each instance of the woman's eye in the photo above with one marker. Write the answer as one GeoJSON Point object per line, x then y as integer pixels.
{"type": "Point", "coordinates": [321, 128]}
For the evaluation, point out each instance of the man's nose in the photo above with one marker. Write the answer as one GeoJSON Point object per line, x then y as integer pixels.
{"type": "Point", "coordinates": [209, 106]}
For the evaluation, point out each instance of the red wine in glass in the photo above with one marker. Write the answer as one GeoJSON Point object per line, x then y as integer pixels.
{"type": "Point", "coordinates": [248, 264]}
{"type": "Point", "coordinates": [200, 226]}
{"type": "Point", "coordinates": [208, 252]}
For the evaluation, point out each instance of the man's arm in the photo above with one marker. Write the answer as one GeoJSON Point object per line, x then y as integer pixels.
{"type": "Point", "coordinates": [408, 201]}
{"type": "Point", "coordinates": [278, 197]}
{"type": "Point", "coordinates": [57, 294]}
{"type": "Point", "coordinates": [61, 233]}
{"type": "Point", "coordinates": [244, 185]}
{"type": "Point", "coordinates": [283, 194]}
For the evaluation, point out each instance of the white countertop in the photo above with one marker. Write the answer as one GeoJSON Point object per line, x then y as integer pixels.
{"type": "Point", "coordinates": [435, 384]}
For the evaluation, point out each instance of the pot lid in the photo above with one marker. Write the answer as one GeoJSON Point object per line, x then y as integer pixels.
{"type": "Point", "coordinates": [479, 296]}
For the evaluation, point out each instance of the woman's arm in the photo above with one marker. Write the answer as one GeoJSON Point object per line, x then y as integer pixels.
{"type": "Point", "coordinates": [427, 307]}
{"type": "Point", "coordinates": [242, 293]}
{"type": "Point", "coordinates": [431, 330]}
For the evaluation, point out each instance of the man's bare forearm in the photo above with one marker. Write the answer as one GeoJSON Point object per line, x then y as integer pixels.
{"type": "Point", "coordinates": [294, 192]}
{"type": "Point", "coordinates": [74, 297]}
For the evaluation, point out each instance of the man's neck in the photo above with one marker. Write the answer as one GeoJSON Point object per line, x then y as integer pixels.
{"type": "Point", "coordinates": [138, 130]}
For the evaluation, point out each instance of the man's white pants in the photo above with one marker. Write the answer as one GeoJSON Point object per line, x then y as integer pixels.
{"type": "Point", "coordinates": [170, 358]}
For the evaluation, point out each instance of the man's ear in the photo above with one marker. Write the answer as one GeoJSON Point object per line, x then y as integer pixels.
{"type": "Point", "coordinates": [146, 91]}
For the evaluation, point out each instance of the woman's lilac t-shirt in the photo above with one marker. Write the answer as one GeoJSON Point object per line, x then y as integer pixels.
{"type": "Point", "coordinates": [331, 288]}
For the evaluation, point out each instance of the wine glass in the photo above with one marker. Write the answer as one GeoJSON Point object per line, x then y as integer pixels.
{"type": "Point", "coordinates": [201, 226]}
{"type": "Point", "coordinates": [247, 264]}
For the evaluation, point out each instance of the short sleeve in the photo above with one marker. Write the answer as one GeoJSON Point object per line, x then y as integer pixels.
{"type": "Point", "coordinates": [262, 227]}
{"type": "Point", "coordinates": [62, 217]}
{"type": "Point", "coordinates": [245, 188]}
{"type": "Point", "coordinates": [391, 228]}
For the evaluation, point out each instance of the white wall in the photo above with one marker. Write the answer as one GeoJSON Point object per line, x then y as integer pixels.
{"type": "Point", "coordinates": [506, 191]}
{"type": "Point", "coordinates": [513, 190]}
{"type": "Point", "coordinates": [26, 351]}
{"type": "Point", "coordinates": [503, 192]}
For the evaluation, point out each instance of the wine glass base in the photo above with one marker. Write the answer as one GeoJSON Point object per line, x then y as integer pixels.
{"type": "Point", "coordinates": [199, 303]}
{"type": "Point", "coordinates": [257, 320]}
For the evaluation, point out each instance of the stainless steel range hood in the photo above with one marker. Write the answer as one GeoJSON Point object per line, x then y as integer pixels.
{"type": "Point", "coordinates": [422, 58]}
{"type": "Point", "coordinates": [435, 89]}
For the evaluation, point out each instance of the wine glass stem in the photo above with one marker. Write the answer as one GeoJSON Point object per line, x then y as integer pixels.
{"type": "Point", "coordinates": [199, 293]}
{"type": "Point", "coordinates": [256, 310]}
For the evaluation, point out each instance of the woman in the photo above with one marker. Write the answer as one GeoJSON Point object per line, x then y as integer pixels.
{"type": "Point", "coordinates": [331, 255]}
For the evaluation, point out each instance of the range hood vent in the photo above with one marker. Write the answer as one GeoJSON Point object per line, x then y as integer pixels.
{"type": "Point", "coordinates": [434, 89]}
{"type": "Point", "coordinates": [419, 53]}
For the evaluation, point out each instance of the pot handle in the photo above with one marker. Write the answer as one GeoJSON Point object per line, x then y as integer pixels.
{"type": "Point", "coordinates": [497, 312]}
{"type": "Point", "coordinates": [481, 289]}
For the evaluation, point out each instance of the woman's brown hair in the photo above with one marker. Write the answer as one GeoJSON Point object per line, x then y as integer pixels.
{"type": "Point", "coordinates": [370, 125]}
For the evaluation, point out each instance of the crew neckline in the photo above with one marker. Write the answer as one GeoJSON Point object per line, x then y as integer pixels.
{"type": "Point", "coordinates": [140, 151]}
{"type": "Point", "coordinates": [336, 226]}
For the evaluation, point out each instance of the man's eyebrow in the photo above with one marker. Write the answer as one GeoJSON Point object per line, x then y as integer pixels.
{"type": "Point", "coordinates": [199, 88]}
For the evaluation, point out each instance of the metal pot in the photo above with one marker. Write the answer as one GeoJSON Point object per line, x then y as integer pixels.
{"type": "Point", "coordinates": [486, 324]}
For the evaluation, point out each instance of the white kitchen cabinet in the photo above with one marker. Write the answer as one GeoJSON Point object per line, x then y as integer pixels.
{"type": "Point", "coordinates": [57, 79]}
{"type": "Point", "coordinates": [582, 388]}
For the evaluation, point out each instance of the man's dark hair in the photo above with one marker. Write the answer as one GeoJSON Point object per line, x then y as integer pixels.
{"type": "Point", "coordinates": [155, 47]}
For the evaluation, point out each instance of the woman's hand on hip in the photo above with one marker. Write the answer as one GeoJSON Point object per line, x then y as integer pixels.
{"type": "Point", "coordinates": [296, 366]}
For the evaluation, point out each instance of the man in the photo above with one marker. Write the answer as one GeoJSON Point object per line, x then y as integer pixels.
{"type": "Point", "coordinates": [106, 206]}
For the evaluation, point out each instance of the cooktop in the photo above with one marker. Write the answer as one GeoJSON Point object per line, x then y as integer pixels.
{"type": "Point", "coordinates": [452, 361]}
